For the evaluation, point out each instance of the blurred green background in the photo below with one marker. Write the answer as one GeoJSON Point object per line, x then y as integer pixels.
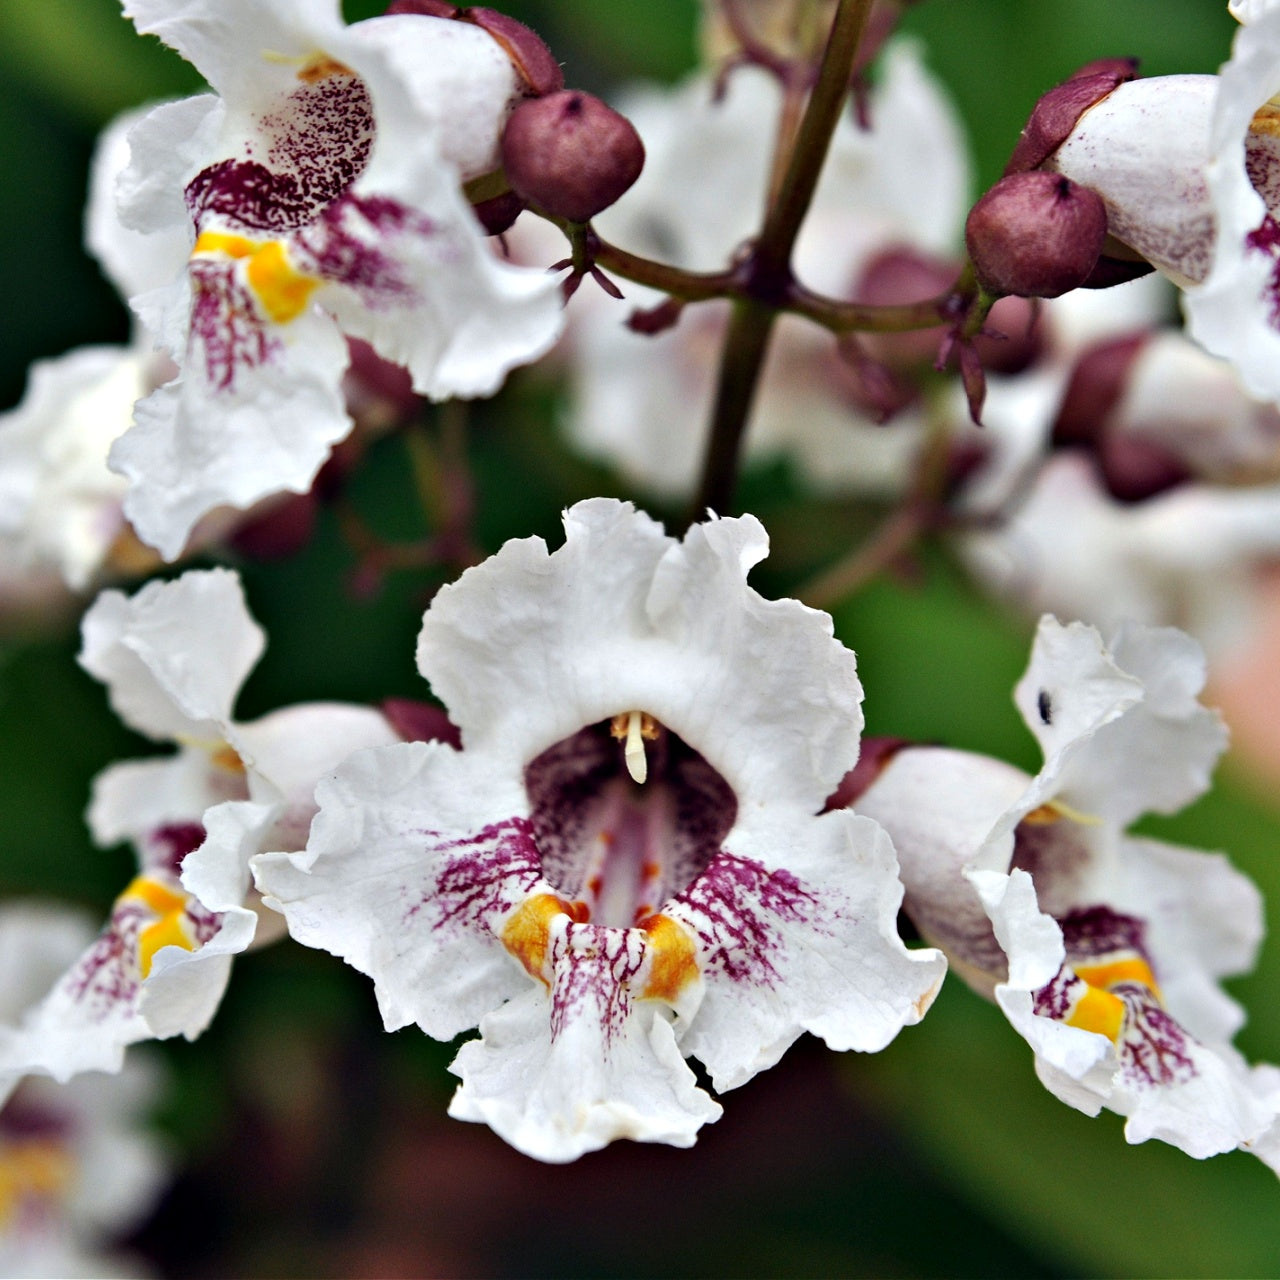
{"type": "Point", "coordinates": [316, 1143]}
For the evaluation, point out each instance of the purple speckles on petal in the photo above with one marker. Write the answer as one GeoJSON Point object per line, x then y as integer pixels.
{"type": "Point", "coordinates": [484, 875]}
{"type": "Point", "coordinates": [226, 329]}
{"type": "Point", "coordinates": [313, 147]}
{"type": "Point", "coordinates": [347, 244]}
{"type": "Point", "coordinates": [735, 907]}
{"type": "Point", "coordinates": [593, 968]}
{"type": "Point", "coordinates": [1266, 239]}
{"type": "Point", "coordinates": [1154, 1049]}
{"type": "Point", "coordinates": [167, 846]}
{"type": "Point", "coordinates": [1091, 932]}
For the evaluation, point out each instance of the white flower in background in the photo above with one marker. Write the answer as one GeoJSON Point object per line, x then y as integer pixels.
{"type": "Point", "coordinates": [173, 658]}
{"type": "Point", "coordinates": [60, 506]}
{"type": "Point", "coordinates": [642, 402]}
{"type": "Point", "coordinates": [1188, 555]}
{"type": "Point", "coordinates": [1104, 950]}
{"type": "Point", "coordinates": [77, 1169]}
{"type": "Point", "coordinates": [625, 864]}
{"type": "Point", "coordinates": [319, 190]}
{"type": "Point", "coordinates": [1189, 168]}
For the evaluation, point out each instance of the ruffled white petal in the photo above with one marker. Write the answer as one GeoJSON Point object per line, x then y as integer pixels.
{"type": "Point", "coordinates": [174, 655]}
{"type": "Point", "coordinates": [1120, 725]}
{"type": "Point", "coordinates": [796, 930]}
{"type": "Point", "coordinates": [622, 617]}
{"type": "Point", "coordinates": [607, 1068]}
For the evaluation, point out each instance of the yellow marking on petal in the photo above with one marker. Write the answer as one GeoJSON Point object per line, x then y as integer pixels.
{"type": "Point", "coordinates": [1052, 810]}
{"type": "Point", "coordinates": [226, 757]}
{"type": "Point", "coordinates": [1266, 120]}
{"type": "Point", "coordinates": [1098, 1011]}
{"type": "Point", "coordinates": [283, 290]}
{"type": "Point", "coordinates": [1110, 973]}
{"type": "Point", "coordinates": [320, 67]}
{"type": "Point", "coordinates": [169, 929]}
{"type": "Point", "coordinates": [279, 286]}
{"type": "Point", "coordinates": [223, 242]}
{"type": "Point", "coordinates": [130, 556]}
{"type": "Point", "coordinates": [154, 895]}
{"type": "Point", "coordinates": [35, 1168]}
{"type": "Point", "coordinates": [635, 727]}
{"type": "Point", "coordinates": [674, 964]}
{"type": "Point", "coordinates": [527, 934]}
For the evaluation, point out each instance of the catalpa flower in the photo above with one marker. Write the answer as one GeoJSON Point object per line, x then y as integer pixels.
{"type": "Point", "coordinates": [320, 193]}
{"type": "Point", "coordinates": [77, 1168]}
{"type": "Point", "coordinates": [626, 864]}
{"type": "Point", "coordinates": [1189, 170]}
{"type": "Point", "coordinates": [173, 658]}
{"type": "Point", "coordinates": [1104, 950]}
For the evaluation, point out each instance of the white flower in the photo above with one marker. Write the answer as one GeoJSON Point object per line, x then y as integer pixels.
{"type": "Point", "coordinates": [319, 191]}
{"type": "Point", "coordinates": [173, 658]}
{"type": "Point", "coordinates": [1189, 168]}
{"type": "Point", "coordinates": [1104, 950]}
{"type": "Point", "coordinates": [76, 1167]}
{"type": "Point", "coordinates": [599, 930]}
{"type": "Point", "coordinates": [642, 403]}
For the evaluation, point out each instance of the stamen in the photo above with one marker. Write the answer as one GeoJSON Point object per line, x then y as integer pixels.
{"type": "Point", "coordinates": [634, 727]}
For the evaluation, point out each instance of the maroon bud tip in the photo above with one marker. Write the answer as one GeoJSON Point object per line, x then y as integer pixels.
{"type": "Point", "coordinates": [1036, 235]}
{"type": "Point", "coordinates": [570, 154]}
{"type": "Point", "coordinates": [1135, 469]}
{"type": "Point", "coordinates": [527, 50]}
{"type": "Point", "coordinates": [424, 8]}
{"type": "Point", "coordinates": [873, 756]}
{"type": "Point", "coordinates": [1112, 271]}
{"type": "Point", "coordinates": [893, 277]}
{"type": "Point", "coordinates": [1094, 389]}
{"type": "Point", "coordinates": [418, 721]}
{"type": "Point", "coordinates": [1012, 338]}
{"type": "Point", "coordinates": [279, 531]}
{"type": "Point", "coordinates": [497, 214]}
{"type": "Point", "coordinates": [1056, 114]}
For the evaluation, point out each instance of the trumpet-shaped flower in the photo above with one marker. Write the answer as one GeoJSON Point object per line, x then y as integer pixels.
{"type": "Point", "coordinates": [319, 189]}
{"type": "Point", "coordinates": [624, 865]}
{"type": "Point", "coordinates": [76, 1168]}
{"type": "Point", "coordinates": [173, 658]}
{"type": "Point", "coordinates": [1104, 950]}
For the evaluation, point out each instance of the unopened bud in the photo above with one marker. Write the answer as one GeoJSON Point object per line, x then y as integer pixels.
{"type": "Point", "coordinates": [1035, 234]}
{"type": "Point", "coordinates": [570, 154]}
{"type": "Point", "coordinates": [873, 756]}
{"type": "Point", "coordinates": [1012, 338]}
{"type": "Point", "coordinates": [498, 212]}
{"type": "Point", "coordinates": [1094, 389]}
{"type": "Point", "coordinates": [534, 62]}
{"type": "Point", "coordinates": [1056, 114]}
{"type": "Point", "coordinates": [1135, 468]}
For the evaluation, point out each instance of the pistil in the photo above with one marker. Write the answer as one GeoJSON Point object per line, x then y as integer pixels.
{"type": "Point", "coordinates": [633, 727]}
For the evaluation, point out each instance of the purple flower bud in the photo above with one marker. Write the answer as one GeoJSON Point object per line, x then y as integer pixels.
{"type": "Point", "coordinates": [1056, 114]}
{"type": "Point", "coordinates": [570, 154]}
{"type": "Point", "coordinates": [498, 212]}
{"type": "Point", "coordinates": [1012, 338]}
{"type": "Point", "coordinates": [417, 721]}
{"type": "Point", "coordinates": [1094, 389]}
{"type": "Point", "coordinates": [1135, 468]}
{"type": "Point", "coordinates": [1035, 234]}
{"type": "Point", "coordinates": [527, 50]}
{"type": "Point", "coordinates": [424, 8]}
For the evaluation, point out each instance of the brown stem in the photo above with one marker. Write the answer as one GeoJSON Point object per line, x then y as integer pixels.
{"type": "Point", "coordinates": [767, 269]}
{"type": "Point", "coordinates": [894, 537]}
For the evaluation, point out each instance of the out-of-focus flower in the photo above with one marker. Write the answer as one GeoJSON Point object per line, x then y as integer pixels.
{"type": "Point", "coordinates": [173, 658]}
{"type": "Point", "coordinates": [1104, 950]}
{"type": "Point", "coordinates": [1080, 536]}
{"type": "Point", "coordinates": [624, 864]}
{"type": "Point", "coordinates": [319, 195]}
{"type": "Point", "coordinates": [642, 402]}
{"type": "Point", "coordinates": [77, 1169]}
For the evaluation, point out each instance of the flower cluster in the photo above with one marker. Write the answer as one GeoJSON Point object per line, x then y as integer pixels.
{"type": "Point", "coordinates": [627, 838]}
